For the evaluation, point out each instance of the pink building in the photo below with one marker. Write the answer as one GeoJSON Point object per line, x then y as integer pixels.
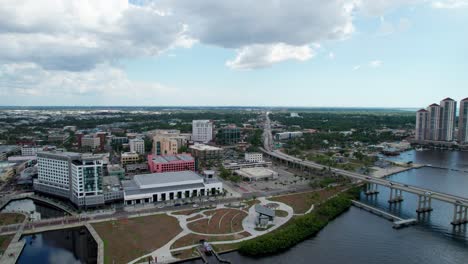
{"type": "Point", "coordinates": [168, 163]}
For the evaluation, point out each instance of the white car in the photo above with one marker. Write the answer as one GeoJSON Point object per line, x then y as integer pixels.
{"type": "Point", "coordinates": [195, 206]}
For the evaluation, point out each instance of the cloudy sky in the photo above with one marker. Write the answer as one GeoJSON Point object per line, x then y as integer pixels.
{"type": "Point", "coordinates": [371, 53]}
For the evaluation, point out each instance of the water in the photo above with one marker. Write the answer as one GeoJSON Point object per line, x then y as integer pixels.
{"type": "Point", "coordinates": [358, 236]}
{"type": "Point", "coordinates": [36, 209]}
{"type": "Point", "coordinates": [70, 246]}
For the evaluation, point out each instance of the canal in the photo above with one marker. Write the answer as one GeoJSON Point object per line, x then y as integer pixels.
{"type": "Point", "coordinates": [74, 245]}
{"type": "Point", "coordinates": [358, 236]}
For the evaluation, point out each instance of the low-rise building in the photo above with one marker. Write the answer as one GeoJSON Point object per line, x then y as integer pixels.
{"type": "Point", "coordinates": [254, 157]}
{"type": "Point", "coordinates": [287, 135]}
{"type": "Point", "coordinates": [257, 173]}
{"type": "Point", "coordinates": [90, 141]}
{"type": "Point", "coordinates": [129, 158]}
{"type": "Point", "coordinates": [167, 163]}
{"type": "Point", "coordinates": [205, 152]}
{"type": "Point", "coordinates": [158, 187]}
{"type": "Point", "coordinates": [116, 170]}
{"type": "Point", "coordinates": [58, 137]}
{"type": "Point", "coordinates": [28, 150]}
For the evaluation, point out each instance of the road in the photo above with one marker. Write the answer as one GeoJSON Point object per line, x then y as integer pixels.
{"type": "Point", "coordinates": [449, 198]}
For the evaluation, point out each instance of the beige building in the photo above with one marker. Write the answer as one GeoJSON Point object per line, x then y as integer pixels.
{"type": "Point", "coordinates": [90, 141]}
{"type": "Point", "coordinates": [129, 158]}
{"type": "Point", "coordinates": [447, 119]}
{"type": "Point", "coordinates": [421, 124]}
{"type": "Point", "coordinates": [168, 142]}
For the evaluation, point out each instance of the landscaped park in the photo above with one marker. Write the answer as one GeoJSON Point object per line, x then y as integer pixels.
{"type": "Point", "coordinates": [175, 235]}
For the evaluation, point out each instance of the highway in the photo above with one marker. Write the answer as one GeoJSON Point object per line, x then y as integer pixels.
{"type": "Point", "coordinates": [268, 149]}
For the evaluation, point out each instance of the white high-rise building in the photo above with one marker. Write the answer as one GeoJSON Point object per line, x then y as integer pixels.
{"type": "Point", "coordinates": [433, 122]}
{"type": "Point", "coordinates": [202, 131]}
{"type": "Point", "coordinates": [447, 121]}
{"type": "Point", "coordinates": [137, 145]}
{"type": "Point", "coordinates": [463, 122]}
{"type": "Point", "coordinates": [75, 176]}
{"type": "Point", "coordinates": [30, 150]}
{"type": "Point", "coordinates": [421, 124]}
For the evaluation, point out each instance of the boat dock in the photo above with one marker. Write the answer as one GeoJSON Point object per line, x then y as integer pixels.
{"type": "Point", "coordinates": [398, 222]}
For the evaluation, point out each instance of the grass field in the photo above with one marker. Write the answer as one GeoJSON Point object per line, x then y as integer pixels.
{"type": "Point", "coordinates": [11, 218]}
{"type": "Point", "coordinates": [4, 242]}
{"type": "Point", "coordinates": [127, 239]}
{"type": "Point", "coordinates": [301, 202]}
{"type": "Point", "coordinates": [222, 221]}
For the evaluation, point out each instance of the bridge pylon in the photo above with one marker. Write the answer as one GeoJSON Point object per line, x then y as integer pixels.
{"type": "Point", "coordinates": [424, 204]}
{"type": "Point", "coordinates": [460, 215]}
{"type": "Point", "coordinates": [396, 196]}
{"type": "Point", "coordinates": [371, 189]}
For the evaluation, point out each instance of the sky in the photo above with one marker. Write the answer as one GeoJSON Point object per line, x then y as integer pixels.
{"type": "Point", "coordinates": [307, 53]}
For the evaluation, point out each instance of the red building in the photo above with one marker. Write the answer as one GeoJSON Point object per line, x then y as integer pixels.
{"type": "Point", "coordinates": [167, 163]}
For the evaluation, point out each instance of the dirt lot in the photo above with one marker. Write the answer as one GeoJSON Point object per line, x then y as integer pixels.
{"type": "Point", "coordinates": [222, 221]}
{"type": "Point", "coordinates": [192, 239]}
{"type": "Point", "coordinates": [10, 218]}
{"type": "Point", "coordinates": [127, 239]}
{"type": "Point", "coordinates": [301, 202]}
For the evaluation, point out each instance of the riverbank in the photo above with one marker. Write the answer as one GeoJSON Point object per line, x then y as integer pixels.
{"type": "Point", "coordinates": [299, 228]}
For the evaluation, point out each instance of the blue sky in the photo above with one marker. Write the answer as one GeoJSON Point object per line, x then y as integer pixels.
{"type": "Point", "coordinates": [396, 55]}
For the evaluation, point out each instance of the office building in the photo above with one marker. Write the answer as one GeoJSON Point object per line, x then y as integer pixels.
{"type": "Point", "coordinates": [254, 157]}
{"type": "Point", "coordinates": [74, 176]}
{"type": "Point", "coordinates": [287, 135]}
{"type": "Point", "coordinates": [168, 163]}
{"type": "Point", "coordinates": [129, 158]}
{"type": "Point", "coordinates": [205, 152]}
{"type": "Point", "coordinates": [156, 187]}
{"type": "Point", "coordinates": [447, 120]}
{"type": "Point", "coordinates": [463, 122]}
{"type": "Point", "coordinates": [433, 125]}
{"type": "Point", "coordinates": [30, 150]}
{"type": "Point", "coordinates": [229, 135]}
{"type": "Point", "coordinates": [421, 124]}
{"type": "Point", "coordinates": [168, 142]}
{"type": "Point", "coordinates": [202, 131]}
{"type": "Point", "coordinates": [137, 145]}
{"type": "Point", "coordinates": [90, 141]}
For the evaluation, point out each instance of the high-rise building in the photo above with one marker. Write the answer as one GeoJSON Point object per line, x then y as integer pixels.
{"type": "Point", "coordinates": [75, 176]}
{"type": "Point", "coordinates": [229, 135]}
{"type": "Point", "coordinates": [421, 124]}
{"type": "Point", "coordinates": [447, 121]}
{"type": "Point", "coordinates": [463, 122]}
{"type": "Point", "coordinates": [137, 145]}
{"type": "Point", "coordinates": [433, 122]}
{"type": "Point", "coordinates": [202, 131]}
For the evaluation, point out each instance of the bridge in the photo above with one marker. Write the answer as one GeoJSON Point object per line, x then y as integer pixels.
{"type": "Point", "coordinates": [425, 196]}
{"type": "Point", "coordinates": [5, 200]}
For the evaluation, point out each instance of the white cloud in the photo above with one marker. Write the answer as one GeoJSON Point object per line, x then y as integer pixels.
{"type": "Point", "coordinates": [260, 56]}
{"type": "Point", "coordinates": [375, 63]}
{"type": "Point", "coordinates": [356, 67]}
{"type": "Point", "coordinates": [387, 28]}
{"type": "Point", "coordinates": [331, 55]}
{"type": "Point", "coordinates": [449, 4]}
{"type": "Point", "coordinates": [29, 79]}
{"type": "Point", "coordinates": [76, 35]}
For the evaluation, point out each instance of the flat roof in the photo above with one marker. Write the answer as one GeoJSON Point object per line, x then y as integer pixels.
{"type": "Point", "coordinates": [264, 210]}
{"type": "Point", "coordinates": [170, 158]}
{"type": "Point", "coordinates": [134, 191]}
{"type": "Point", "coordinates": [204, 147]}
{"type": "Point", "coordinates": [166, 178]}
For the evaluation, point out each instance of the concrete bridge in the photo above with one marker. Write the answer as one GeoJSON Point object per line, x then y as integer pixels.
{"type": "Point", "coordinates": [5, 200]}
{"type": "Point", "coordinates": [425, 196]}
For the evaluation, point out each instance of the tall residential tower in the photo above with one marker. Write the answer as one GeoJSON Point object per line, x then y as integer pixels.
{"type": "Point", "coordinates": [463, 122]}
{"type": "Point", "coordinates": [447, 120]}
{"type": "Point", "coordinates": [421, 124]}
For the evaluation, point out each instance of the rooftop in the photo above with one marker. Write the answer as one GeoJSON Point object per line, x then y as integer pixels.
{"type": "Point", "coordinates": [448, 99]}
{"type": "Point", "coordinates": [172, 158]}
{"type": "Point", "coordinates": [264, 210]}
{"type": "Point", "coordinates": [204, 147]}
{"type": "Point", "coordinates": [149, 180]}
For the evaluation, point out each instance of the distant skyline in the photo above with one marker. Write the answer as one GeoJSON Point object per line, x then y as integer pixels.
{"type": "Point", "coordinates": [304, 53]}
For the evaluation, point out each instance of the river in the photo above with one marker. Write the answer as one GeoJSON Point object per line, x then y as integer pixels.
{"type": "Point", "coordinates": [359, 237]}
